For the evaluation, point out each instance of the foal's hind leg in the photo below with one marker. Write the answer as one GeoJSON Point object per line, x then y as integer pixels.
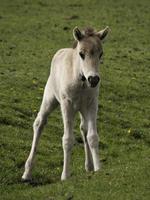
{"type": "Point", "coordinates": [48, 104]}
{"type": "Point", "coordinates": [88, 156]}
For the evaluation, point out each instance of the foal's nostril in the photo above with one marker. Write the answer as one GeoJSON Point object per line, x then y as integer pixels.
{"type": "Point", "coordinates": [96, 79]}
{"type": "Point", "coordinates": [93, 80]}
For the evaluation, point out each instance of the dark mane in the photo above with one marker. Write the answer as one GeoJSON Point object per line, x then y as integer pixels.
{"type": "Point", "coordinates": [88, 32]}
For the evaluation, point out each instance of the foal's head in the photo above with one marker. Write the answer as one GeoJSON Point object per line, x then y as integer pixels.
{"type": "Point", "coordinates": [89, 49]}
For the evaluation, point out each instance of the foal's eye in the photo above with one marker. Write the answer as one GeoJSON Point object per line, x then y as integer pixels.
{"type": "Point", "coordinates": [82, 55]}
{"type": "Point", "coordinates": [100, 55]}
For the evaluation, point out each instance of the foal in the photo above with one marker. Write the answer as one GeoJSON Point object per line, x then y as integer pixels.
{"type": "Point", "coordinates": [74, 84]}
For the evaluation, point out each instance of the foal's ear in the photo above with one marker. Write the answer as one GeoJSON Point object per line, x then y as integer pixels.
{"type": "Point", "coordinates": [103, 33]}
{"type": "Point", "coordinates": [77, 34]}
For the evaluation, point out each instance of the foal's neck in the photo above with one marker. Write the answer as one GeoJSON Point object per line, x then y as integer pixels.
{"type": "Point", "coordinates": [76, 64]}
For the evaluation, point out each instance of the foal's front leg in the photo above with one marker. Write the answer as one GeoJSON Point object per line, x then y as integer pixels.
{"type": "Point", "coordinates": [88, 156]}
{"type": "Point", "coordinates": [68, 137]}
{"type": "Point", "coordinates": [92, 136]}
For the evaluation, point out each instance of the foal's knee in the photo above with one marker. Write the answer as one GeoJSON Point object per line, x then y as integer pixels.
{"type": "Point", "coordinates": [68, 142]}
{"type": "Point", "coordinates": [28, 164]}
{"type": "Point", "coordinates": [39, 122]}
{"type": "Point", "coordinates": [92, 140]}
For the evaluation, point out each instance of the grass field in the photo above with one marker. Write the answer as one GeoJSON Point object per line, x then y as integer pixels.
{"type": "Point", "coordinates": [30, 33]}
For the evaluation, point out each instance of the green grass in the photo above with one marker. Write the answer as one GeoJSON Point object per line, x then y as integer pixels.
{"type": "Point", "coordinates": [30, 33]}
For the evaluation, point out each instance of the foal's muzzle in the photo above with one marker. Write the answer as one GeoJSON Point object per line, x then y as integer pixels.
{"type": "Point", "coordinates": [93, 80]}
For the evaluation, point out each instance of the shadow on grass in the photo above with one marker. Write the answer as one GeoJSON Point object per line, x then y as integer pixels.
{"type": "Point", "coordinates": [40, 180]}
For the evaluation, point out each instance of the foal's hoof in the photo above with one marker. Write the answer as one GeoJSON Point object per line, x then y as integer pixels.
{"type": "Point", "coordinates": [26, 179]}
{"type": "Point", "coordinates": [89, 167]}
{"type": "Point", "coordinates": [64, 177]}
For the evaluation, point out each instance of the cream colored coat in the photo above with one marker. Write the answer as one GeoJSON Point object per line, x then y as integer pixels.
{"type": "Point", "coordinates": [74, 84]}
